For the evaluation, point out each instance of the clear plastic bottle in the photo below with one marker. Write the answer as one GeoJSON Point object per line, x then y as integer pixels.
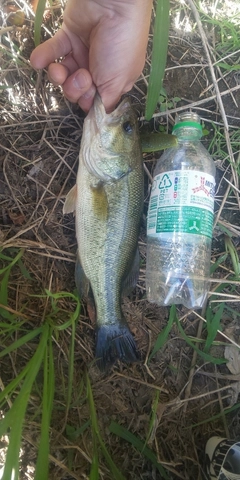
{"type": "Point", "coordinates": [180, 219]}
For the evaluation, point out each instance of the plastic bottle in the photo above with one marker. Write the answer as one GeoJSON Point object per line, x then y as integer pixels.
{"type": "Point", "coordinates": [180, 219]}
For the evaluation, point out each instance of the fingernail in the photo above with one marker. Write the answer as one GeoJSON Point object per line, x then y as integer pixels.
{"type": "Point", "coordinates": [80, 82]}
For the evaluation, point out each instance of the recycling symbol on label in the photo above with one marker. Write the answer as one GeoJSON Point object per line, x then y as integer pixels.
{"type": "Point", "coordinates": [165, 182]}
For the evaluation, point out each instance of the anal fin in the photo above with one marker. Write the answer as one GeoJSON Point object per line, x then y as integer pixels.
{"type": "Point", "coordinates": [130, 281]}
{"type": "Point", "coordinates": [84, 289]}
{"type": "Point", "coordinates": [81, 280]}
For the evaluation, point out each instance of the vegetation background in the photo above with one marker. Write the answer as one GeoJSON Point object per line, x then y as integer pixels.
{"type": "Point", "coordinates": [60, 417]}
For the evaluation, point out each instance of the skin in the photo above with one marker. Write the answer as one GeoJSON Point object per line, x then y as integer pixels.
{"type": "Point", "coordinates": [103, 46]}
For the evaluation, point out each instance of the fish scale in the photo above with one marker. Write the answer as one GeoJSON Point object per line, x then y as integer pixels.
{"type": "Point", "coordinates": [101, 239]}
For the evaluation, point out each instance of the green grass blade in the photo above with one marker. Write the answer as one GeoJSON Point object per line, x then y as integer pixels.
{"type": "Point", "coordinates": [12, 262]}
{"type": "Point", "coordinates": [15, 382]}
{"type": "Point", "coordinates": [51, 378]}
{"type": "Point", "coordinates": [234, 255]}
{"type": "Point", "coordinates": [31, 371]}
{"type": "Point", "coordinates": [233, 311]}
{"type": "Point", "coordinates": [71, 365]}
{"type": "Point", "coordinates": [73, 316]}
{"type": "Point", "coordinates": [12, 326]}
{"type": "Point", "coordinates": [9, 327]}
{"type": "Point", "coordinates": [4, 257]}
{"type": "Point", "coordinates": [73, 433]}
{"type": "Point", "coordinates": [213, 325]}
{"type": "Point", "coordinates": [153, 418]}
{"type": "Point", "coordinates": [11, 468]}
{"type": "Point", "coordinates": [218, 262]}
{"type": "Point", "coordinates": [216, 417]}
{"type": "Point", "coordinates": [10, 387]}
{"type": "Point", "coordinates": [15, 416]}
{"type": "Point", "coordinates": [225, 230]}
{"type": "Point", "coordinates": [117, 475]}
{"type": "Point", "coordinates": [159, 56]}
{"type": "Point", "coordinates": [25, 273]}
{"type": "Point", "coordinates": [228, 67]}
{"type": "Point", "coordinates": [4, 285]}
{"type": "Point", "coordinates": [38, 21]}
{"type": "Point", "coordinates": [137, 443]}
{"type": "Point", "coordinates": [21, 341]}
{"type": "Point", "coordinates": [206, 357]}
{"type": "Point", "coordinates": [4, 296]}
{"type": "Point", "coordinates": [48, 393]}
{"type": "Point", "coordinates": [94, 472]}
{"type": "Point", "coordinates": [162, 337]}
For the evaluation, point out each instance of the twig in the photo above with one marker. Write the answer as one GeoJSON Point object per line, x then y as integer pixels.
{"type": "Point", "coordinates": [147, 355]}
{"type": "Point", "coordinates": [14, 312]}
{"type": "Point", "coordinates": [156, 387]}
{"type": "Point", "coordinates": [192, 104]}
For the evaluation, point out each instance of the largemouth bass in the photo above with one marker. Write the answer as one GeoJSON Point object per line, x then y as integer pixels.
{"type": "Point", "coordinates": [108, 201]}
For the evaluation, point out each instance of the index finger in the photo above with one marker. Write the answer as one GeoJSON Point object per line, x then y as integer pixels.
{"type": "Point", "coordinates": [49, 51]}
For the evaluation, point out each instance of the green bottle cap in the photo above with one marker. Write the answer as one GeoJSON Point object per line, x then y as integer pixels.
{"type": "Point", "coordinates": [187, 124]}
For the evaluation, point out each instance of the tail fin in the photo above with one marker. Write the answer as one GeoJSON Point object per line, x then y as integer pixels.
{"type": "Point", "coordinates": [114, 342]}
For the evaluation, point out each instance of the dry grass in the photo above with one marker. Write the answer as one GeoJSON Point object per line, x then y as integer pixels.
{"type": "Point", "coordinates": [40, 138]}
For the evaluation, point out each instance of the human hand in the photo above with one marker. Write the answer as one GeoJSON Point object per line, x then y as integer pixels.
{"type": "Point", "coordinates": [103, 46]}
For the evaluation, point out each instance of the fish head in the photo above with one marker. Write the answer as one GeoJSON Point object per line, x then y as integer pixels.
{"type": "Point", "coordinates": [111, 142]}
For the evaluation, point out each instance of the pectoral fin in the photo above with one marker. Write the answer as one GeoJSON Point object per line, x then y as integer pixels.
{"type": "Point", "coordinates": [153, 142]}
{"type": "Point", "coordinates": [70, 202]}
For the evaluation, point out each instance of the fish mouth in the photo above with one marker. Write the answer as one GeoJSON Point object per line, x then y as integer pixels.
{"type": "Point", "coordinates": [100, 118]}
{"type": "Point", "coordinates": [119, 111]}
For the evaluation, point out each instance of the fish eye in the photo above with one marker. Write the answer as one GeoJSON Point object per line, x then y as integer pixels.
{"type": "Point", "coordinates": [127, 127]}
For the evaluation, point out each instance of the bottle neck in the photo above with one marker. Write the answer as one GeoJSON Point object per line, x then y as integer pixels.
{"type": "Point", "coordinates": [188, 134]}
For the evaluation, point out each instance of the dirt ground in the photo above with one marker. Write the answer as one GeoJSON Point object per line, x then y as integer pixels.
{"type": "Point", "coordinates": [40, 140]}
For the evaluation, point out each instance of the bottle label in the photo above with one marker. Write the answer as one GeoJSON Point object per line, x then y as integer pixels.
{"type": "Point", "coordinates": [181, 201]}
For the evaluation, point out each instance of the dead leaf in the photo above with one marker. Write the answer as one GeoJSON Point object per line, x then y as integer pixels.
{"type": "Point", "coordinates": [160, 411]}
{"type": "Point", "coordinates": [91, 310]}
{"type": "Point", "coordinates": [16, 18]}
{"type": "Point", "coordinates": [17, 218]}
{"type": "Point", "coordinates": [232, 354]}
